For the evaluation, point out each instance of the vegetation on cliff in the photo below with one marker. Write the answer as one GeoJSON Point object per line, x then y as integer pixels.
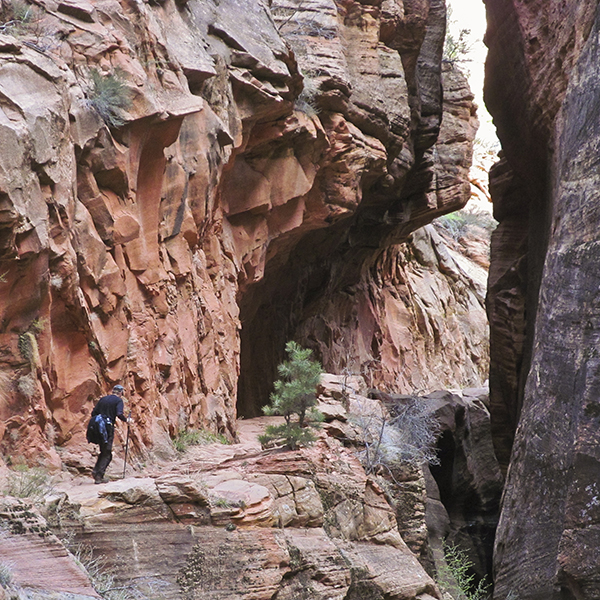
{"type": "Point", "coordinates": [456, 579]}
{"type": "Point", "coordinates": [109, 97]}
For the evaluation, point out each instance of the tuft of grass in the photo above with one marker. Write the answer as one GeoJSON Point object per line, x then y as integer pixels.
{"type": "Point", "coordinates": [31, 483]}
{"type": "Point", "coordinates": [197, 437]}
{"type": "Point", "coordinates": [38, 325]}
{"type": "Point", "coordinates": [22, 11]}
{"type": "Point", "coordinates": [27, 385]}
{"type": "Point", "coordinates": [109, 96]}
{"type": "Point", "coordinates": [220, 502]}
{"type": "Point", "coordinates": [102, 581]}
{"type": "Point", "coordinates": [20, 18]}
{"type": "Point", "coordinates": [306, 102]}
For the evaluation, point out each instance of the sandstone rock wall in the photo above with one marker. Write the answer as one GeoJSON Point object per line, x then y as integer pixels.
{"type": "Point", "coordinates": [405, 316]}
{"type": "Point", "coordinates": [543, 296]}
{"type": "Point", "coordinates": [262, 159]}
{"type": "Point", "coordinates": [413, 322]}
{"type": "Point", "coordinates": [532, 50]}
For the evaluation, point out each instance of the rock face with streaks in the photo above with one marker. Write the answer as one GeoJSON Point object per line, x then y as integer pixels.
{"type": "Point", "coordinates": [543, 296]}
{"type": "Point", "coordinates": [188, 185]}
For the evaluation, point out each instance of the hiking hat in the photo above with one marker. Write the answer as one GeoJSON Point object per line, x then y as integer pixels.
{"type": "Point", "coordinates": [118, 388]}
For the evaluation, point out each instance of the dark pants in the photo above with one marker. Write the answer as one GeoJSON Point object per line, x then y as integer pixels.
{"type": "Point", "coordinates": [105, 455]}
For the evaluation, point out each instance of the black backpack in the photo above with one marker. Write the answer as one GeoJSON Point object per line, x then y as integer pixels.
{"type": "Point", "coordinates": [96, 430]}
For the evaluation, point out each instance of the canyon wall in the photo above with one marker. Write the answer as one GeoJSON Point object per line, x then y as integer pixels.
{"type": "Point", "coordinates": [185, 186]}
{"type": "Point", "coordinates": [542, 89]}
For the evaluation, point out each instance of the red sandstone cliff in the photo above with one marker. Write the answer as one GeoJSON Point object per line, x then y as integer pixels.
{"type": "Point", "coordinates": [268, 164]}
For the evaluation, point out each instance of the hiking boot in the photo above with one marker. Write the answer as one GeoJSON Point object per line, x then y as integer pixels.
{"type": "Point", "coordinates": [98, 480]}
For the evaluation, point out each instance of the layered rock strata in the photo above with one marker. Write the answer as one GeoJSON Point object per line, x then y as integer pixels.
{"type": "Point", "coordinates": [238, 522]}
{"type": "Point", "coordinates": [543, 292]}
{"type": "Point", "coordinates": [177, 171]}
{"type": "Point", "coordinates": [235, 522]}
{"type": "Point", "coordinates": [35, 562]}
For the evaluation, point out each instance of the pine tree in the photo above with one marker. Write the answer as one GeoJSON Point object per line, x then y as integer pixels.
{"type": "Point", "coordinates": [294, 398]}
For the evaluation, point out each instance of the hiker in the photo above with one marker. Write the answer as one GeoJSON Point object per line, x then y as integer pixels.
{"type": "Point", "coordinates": [109, 408]}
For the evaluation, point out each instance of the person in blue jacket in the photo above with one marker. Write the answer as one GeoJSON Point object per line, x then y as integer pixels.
{"type": "Point", "coordinates": [111, 409]}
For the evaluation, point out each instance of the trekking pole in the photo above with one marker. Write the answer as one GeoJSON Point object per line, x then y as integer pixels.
{"type": "Point", "coordinates": [126, 445]}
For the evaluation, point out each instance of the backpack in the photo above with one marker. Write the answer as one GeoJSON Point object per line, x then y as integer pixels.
{"type": "Point", "coordinates": [96, 430]}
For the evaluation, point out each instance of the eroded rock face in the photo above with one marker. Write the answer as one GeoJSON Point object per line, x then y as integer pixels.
{"type": "Point", "coordinates": [455, 501]}
{"type": "Point", "coordinates": [547, 538]}
{"type": "Point", "coordinates": [376, 311]}
{"type": "Point", "coordinates": [217, 200]}
{"type": "Point", "coordinates": [468, 479]}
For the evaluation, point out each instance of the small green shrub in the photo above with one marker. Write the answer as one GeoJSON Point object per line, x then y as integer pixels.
{"type": "Point", "coordinates": [294, 398]}
{"type": "Point", "coordinates": [197, 437]}
{"type": "Point", "coordinates": [25, 482]}
{"type": "Point", "coordinates": [291, 435]}
{"type": "Point", "coordinates": [222, 503]}
{"type": "Point", "coordinates": [455, 579]}
{"type": "Point", "coordinates": [185, 439]}
{"type": "Point", "coordinates": [109, 96]}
